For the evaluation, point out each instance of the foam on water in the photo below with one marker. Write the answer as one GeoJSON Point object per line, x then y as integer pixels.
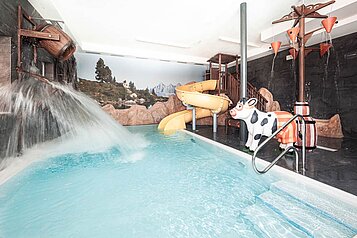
{"type": "Point", "coordinates": [51, 118]}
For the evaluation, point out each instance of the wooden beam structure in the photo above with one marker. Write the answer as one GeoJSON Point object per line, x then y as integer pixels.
{"type": "Point", "coordinates": [299, 14]}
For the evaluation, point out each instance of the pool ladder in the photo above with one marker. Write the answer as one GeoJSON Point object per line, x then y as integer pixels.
{"type": "Point", "coordinates": [288, 149]}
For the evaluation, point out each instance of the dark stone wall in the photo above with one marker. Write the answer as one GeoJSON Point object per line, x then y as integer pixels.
{"type": "Point", "coordinates": [7, 123]}
{"type": "Point", "coordinates": [5, 59]}
{"type": "Point", "coordinates": [8, 28]}
{"type": "Point", "coordinates": [331, 81]}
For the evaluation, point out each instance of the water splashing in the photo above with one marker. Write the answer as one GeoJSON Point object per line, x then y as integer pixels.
{"type": "Point", "coordinates": [335, 77]}
{"type": "Point", "coordinates": [330, 38]}
{"type": "Point", "coordinates": [325, 77]}
{"type": "Point", "coordinates": [271, 73]}
{"type": "Point", "coordinates": [48, 111]}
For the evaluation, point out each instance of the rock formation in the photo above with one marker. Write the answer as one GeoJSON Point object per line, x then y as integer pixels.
{"type": "Point", "coordinates": [158, 111]}
{"type": "Point", "coordinates": [271, 105]}
{"type": "Point", "coordinates": [140, 115]}
{"type": "Point", "coordinates": [329, 128]}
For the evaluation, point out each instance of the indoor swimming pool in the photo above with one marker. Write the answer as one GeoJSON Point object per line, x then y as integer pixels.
{"type": "Point", "coordinates": [177, 186]}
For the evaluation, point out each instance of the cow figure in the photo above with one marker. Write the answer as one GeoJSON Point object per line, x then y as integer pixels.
{"type": "Point", "coordinates": [264, 124]}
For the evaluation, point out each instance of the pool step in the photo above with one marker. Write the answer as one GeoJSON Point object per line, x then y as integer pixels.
{"type": "Point", "coordinates": [307, 218]}
{"type": "Point", "coordinates": [345, 213]}
{"type": "Point", "coordinates": [270, 224]}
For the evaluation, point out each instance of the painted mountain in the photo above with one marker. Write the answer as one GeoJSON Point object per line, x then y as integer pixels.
{"type": "Point", "coordinates": [163, 90]}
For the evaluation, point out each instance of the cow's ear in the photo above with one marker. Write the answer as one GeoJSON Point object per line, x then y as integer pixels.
{"type": "Point", "coordinates": [252, 102]}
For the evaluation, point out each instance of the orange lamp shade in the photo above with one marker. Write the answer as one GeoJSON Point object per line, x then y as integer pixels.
{"type": "Point", "coordinates": [328, 23]}
{"type": "Point", "coordinates": [293, 32]}
{"type": "Point", "coordinates": [324, 47]}
{"type": "Point", "coordinates": [276, 45]}
{"type": "Point", "coordinates": [294, 53]}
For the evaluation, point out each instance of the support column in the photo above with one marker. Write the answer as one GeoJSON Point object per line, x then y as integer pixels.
{"type": "Point", "coordinates": [193, 118]}
{"type": "Point", "coordinates": [243, 132]}
{"type": "Point", "coordinates": [214, 122]}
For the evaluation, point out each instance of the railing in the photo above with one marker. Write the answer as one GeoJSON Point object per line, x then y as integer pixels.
{"type": "Point", "coordinates": [231, 86]}
{"type": "Point", "coordinates": [288, 149]}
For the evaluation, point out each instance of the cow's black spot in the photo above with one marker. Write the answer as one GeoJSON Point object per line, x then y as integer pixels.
{"type": "Point", "coordinates": [269, 115]}
{"type": "Point", "coordinates": [265, 121]}
{"type": "Point", "coordinates": [254, 118]}
{"type": "Point", "coordinates": [275, 126]}
{"type": "Point", "coordinates": [257, 136]}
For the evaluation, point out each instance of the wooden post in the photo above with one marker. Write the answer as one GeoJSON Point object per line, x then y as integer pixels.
{"type": "Point", "coordinates": [301, 96]}
{"type": "Point", "coordinates": [225, 77]}
{"type": "Point", "coordinates": [237, 67]}
{"type": "Point", "coordinates": [219, 73]}
{"type": "Point", "coordinates": [19, 43]}
{"type": "Point", "coordinates": [299, 14]}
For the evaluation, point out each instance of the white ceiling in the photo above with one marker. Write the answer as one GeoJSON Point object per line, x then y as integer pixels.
{"type": "Point", "coordinates": [181, 30]}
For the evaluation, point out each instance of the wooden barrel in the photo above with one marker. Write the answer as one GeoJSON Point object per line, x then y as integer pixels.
{"type": "Point", "coordinates": [303, 109]}
{"type": "Point", "coordinates": [62, 49]}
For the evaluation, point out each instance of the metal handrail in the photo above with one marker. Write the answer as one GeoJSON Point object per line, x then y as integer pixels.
{"type": "Point", "coordinates": [303, 152]}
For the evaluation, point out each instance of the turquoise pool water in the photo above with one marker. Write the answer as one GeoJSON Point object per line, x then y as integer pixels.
{"type": "Point", "coordinates": [179, 186]}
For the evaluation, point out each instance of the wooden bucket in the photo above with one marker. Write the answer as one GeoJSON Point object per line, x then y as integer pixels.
{"type": "Point", "coordinates": [303, 109]}
{"type": "Point", "coordinates": [62, 49]}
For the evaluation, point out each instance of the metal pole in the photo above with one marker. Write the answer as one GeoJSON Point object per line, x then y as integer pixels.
{"type": "Point", "coordinates": [43, 69]}
{"type": "Point", "coordinates": [193, 119]}
{"type": "Point", "coordinates": [214, 122]}
{"type": "Point", "coordinates": [243, 132]}
{"type": "Point", "coordinates": [243, 49]}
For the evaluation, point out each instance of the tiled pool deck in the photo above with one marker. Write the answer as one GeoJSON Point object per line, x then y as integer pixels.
{"type": "Point", "coordinates": [338, 169]}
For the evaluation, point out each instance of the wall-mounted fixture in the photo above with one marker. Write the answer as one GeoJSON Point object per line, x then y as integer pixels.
{"type": "Point", "coordinates": [51, 38]}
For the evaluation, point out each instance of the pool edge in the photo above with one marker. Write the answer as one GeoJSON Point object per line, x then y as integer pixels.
{"type": "Point", "coordinates": [331, 191]}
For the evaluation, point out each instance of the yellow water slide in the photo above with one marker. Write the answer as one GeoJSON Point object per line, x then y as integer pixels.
{"type": "Point", "coordinates": [192, 94]}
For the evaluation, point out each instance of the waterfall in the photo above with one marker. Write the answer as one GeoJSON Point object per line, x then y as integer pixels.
{"type": "Point", "coordinates": [271, 73]}
{"type": "Point", "coordinates": [43, 111]}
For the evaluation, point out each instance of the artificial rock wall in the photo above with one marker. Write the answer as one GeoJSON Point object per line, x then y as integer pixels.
{"type": "Point", "coordinates": [331, 81]}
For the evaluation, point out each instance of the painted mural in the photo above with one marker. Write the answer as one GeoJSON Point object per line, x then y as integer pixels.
{"type": "Point", "coordinates": [124, 81]}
